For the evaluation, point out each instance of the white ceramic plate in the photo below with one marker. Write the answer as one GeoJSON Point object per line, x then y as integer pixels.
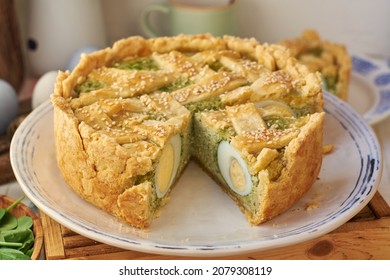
{"type": "Point", "coordinates": [369, 92]}
{"type": "Point", "coordinates": [200, 220]}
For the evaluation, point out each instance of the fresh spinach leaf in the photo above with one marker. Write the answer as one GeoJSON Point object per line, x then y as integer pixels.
{"type": "Point", "coordinates": [25, 222]}
{"type": "Point", "coordinates": [12, 254]}
{"type": "Point", "coordinates": [27, 245]}
{"type": "Point", "coordinates": [30, 251]}
{"type": "Point", "coordinates": [16, 236]}
{"type": "Point", "coordinates": [8, 222]}
{"type": "Point", "coordinates": [2, 213]}
{"type": "Point", "coordinates": [16, 202]}
{"type": "Point", "coordinates": [10, 244]}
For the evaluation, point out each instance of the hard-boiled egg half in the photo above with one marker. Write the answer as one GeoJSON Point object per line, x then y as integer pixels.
{"type": "Point", "coordinates": [233, 169]}
{"type": "Point", "coordinates": [168, 165]}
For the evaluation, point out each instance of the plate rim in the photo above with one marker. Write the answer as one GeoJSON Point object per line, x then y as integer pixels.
{"type": "Point", "coordinates": [374, 70]}
{"type": "Point", "coordinates": [196, 250]}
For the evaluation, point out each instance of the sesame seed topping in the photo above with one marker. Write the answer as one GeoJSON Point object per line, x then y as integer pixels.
{"type": "Point", "coordinates": [265, 135]}
{"type": "Point", "coordinates": [278, 77]}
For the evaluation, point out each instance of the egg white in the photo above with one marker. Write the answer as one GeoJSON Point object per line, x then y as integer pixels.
{"type": "Point", "coordinates": [226, 154]}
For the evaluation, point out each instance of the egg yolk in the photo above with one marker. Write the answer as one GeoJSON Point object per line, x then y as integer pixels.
{"type": "Point", "coordinates": [237, 175]}
{"type": "Point", "coordinates": [165, 169]}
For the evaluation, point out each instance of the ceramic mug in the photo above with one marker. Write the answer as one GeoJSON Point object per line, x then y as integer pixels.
{"type": "Point", "coordinates": [56, 29]}
{"type": "Point", "coordinates": [192, 17]}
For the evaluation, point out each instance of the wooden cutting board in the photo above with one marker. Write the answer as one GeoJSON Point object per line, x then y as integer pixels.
{"type": "Point", "coordinates": [366, 236]}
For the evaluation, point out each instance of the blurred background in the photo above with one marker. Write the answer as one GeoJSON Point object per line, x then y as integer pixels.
{"type": "Point", "coordinates": [364, 26]}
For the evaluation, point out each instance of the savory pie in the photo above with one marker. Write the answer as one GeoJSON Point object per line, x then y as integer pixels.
{"type": "Point", "coordinates": [331, 59]}
{"type": "Point", "coordinates": [128, 119]}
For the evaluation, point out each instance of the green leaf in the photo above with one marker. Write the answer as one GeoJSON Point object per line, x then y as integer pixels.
{"type": "Point", "coordinates": [24, 237]}
{"type": "Point", "coordinates": [12, 254]}
{"type": "Point", "coordinates": [2, 212]}
{"type": "Point", "coordinates": [8, 222]}
{"type": "Point", "coordinates": [18, 235]}
{"type": "Point", "coordinates": [28, 245]}
{"type": "Point", "coordinates": [30, 252]}
{"type": "Point", "coordinates": [25, 222]}
{"type": "Point", "coordinates": [10, 244]}
{"type": "Point", "coordinates": [16, 202]}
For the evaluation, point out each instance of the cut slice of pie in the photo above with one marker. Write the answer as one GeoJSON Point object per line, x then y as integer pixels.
{"type": "Point", "coordinates": [129, 118]}
{"type": "Point", "coordinates": [264, 154]}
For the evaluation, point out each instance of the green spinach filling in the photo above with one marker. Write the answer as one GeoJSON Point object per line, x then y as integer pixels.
{"type": "Point", "coordinates": [218, 66]}
{"type": "Point", "coordinates": [178, 84]}
{"type": "Point", "coordinates": [141, 63]}
{"type": "Point", "coordinates": [315, 52]}
{"type": "Point", "coordinates": [330, 83]}
{"type": "Point", "coordinates": [88, 86]}
{"type": "Point", "coordinates": [277, 123]}
{"type": "Point", "coordinates": [205, 105]}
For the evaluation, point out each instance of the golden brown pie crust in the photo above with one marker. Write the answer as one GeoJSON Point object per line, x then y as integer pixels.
{"type": "Point", "coordinates": [104, 171]}
{"type": "Point", "coordinates": [329, 58]}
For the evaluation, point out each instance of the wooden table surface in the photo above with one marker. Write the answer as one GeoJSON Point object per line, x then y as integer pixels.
{"type": "Point", "coordinates": [366, 236]}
